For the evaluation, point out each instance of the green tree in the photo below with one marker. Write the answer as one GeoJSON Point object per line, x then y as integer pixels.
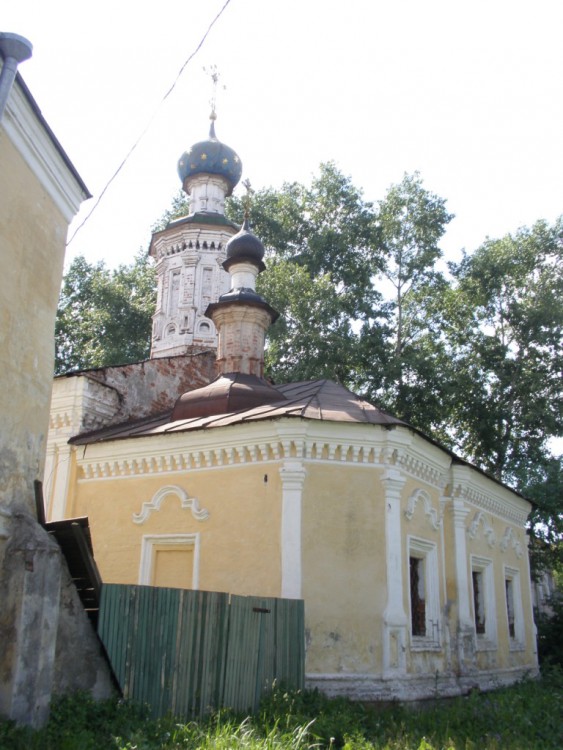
{"type": "Point", "coordinates": [323, 253]}
{"type": "Point", "coordinates": [313, 337]}
{"type": "Point", "coordinates": [544, 486]}
{"type": "Point", "coordinates": [104, 316]}
{"type": "Point", "coordinates": [503, 321]}
{"type": "Point", "coordinates": [326, 228]}
{"type": "Point", "coordinates": [411, 221]}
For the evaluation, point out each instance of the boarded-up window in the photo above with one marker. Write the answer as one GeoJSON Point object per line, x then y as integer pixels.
{"type": "Point", "coordinates": [173, 566]}
{"type": "Point", "coordinates": [170, 560]}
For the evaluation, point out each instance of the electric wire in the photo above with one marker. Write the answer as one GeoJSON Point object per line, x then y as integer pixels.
{"type": "Point", "coordinates": [150, 122]}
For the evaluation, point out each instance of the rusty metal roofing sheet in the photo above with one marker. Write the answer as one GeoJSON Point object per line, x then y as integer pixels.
{"type": "Point", "coordinates": [317, 399]}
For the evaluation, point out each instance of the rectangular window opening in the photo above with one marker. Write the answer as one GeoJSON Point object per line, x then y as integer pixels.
{"type": "Point", "coordinates": [509, 586]}
{"type": "Point", "coordinates": [484, 606]}
{"type": "Point", "coordinates": [418, 596]}
{"type": "Point", "coordinates": [479, 602]}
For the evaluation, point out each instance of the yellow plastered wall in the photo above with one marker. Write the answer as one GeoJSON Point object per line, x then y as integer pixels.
{"type": "Point", "coordinates": [343, 536]}
{"type": "Point", "coordinates": [32, 237]}
{"type": "Point", "coordinates": [239, 543]}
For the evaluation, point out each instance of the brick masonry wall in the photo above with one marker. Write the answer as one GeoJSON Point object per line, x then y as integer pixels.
{"type": "Point", "coordinates": [151, 387]}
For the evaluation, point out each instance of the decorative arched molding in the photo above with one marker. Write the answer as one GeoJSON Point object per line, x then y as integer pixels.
{"type": "Point", "coordinates": [480, 519]}
{"type": "Point", "coordinates": [510, 539]}
{"type": "Point", "coordinates": [187, 503]}
{"type": "Point", "coordinates": [431, 513]}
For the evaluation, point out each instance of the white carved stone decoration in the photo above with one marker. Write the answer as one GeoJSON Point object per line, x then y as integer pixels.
{"type": "Point", "coordinates": [187, 503]}
{"type": "Point", "coordinates": [190, 275]}
{"type": "Point", "coordinates": [431, 513]}
{"type": "Point", "coordinates": [510, 539]}
{"type": "Point", "coordinates": [488, 532]}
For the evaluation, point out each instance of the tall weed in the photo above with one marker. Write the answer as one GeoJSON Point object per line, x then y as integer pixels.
{"type": "Point", "coordinates": [527, 716]}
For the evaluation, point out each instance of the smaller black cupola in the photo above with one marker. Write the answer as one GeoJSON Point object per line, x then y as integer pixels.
{"type": "Point", "coordinates": [245, 246]}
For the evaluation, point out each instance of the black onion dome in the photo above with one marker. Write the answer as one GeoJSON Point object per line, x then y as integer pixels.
{"type": "Point", "coordinates": [211, 157]}
{"type": "Point", "coordinates": [244, 246]}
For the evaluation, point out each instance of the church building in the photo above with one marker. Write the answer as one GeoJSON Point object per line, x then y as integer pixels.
{"type": "Point", "coordinates": [412, 563]}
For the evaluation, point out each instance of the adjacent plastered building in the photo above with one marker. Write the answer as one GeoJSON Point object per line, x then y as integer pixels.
{"type": "Point", "coordinates": [42, 626]}
{"type": "Point", "coordinates": [413, 564]}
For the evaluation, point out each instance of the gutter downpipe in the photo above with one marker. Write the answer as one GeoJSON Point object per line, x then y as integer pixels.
{"type": "Point", "coordinates": [14, 49]}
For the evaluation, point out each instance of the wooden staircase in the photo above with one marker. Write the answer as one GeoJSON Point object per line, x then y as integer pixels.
{"type": "Point", "coordinates": [75, 541]}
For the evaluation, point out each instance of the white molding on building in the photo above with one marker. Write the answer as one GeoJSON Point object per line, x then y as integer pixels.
{"type": "Point", "coordinates": [186, 503]}
{"type": "Point", "coordinates": [32, 138]}
{"type": "Point", "coordinates": [150, 541]}
{"type": "Point", "coordinates": [292, 475]}
{"type": "Point", "coordinates": [394, 616]}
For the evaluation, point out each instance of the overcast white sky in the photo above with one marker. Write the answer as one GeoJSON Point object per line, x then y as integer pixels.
{"type": "Point", "coordinates": [469, 93]}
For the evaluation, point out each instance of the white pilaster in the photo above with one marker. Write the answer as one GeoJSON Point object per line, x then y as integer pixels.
{"type": "Point", "coordinates": [394, 617]}
{"type": "Point", "coordinates": [293, 477]}
{"type": "Point", "coordinates": [466, 644]}
{"type": "Point", "coordinates": [59, 491]}
{"type": "Point", "coordinates": [459, 513]}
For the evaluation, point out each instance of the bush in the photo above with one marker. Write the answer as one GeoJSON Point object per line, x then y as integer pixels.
{"type": "Point", "coordinates": [550, 632]}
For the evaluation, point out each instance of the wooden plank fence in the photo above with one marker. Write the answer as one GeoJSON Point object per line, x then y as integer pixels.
{"type": "Point", "coordinates": [189, 652]}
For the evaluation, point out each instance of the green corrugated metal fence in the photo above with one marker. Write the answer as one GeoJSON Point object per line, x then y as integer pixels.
{"type": "Point", "coordinates": [189, 652]}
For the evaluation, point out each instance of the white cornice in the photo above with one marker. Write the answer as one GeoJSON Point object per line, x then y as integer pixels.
{"type": "Point", "coordinates": [81, 403]}
{"type": "Point", "coordinates": [34, 143]}
{"type": "Point", "coordinates": [259, 442]}
{"type": "Point", "coordinates": [313, 442]}
{"type": "Point", "coordinates": [490, 496]}
{"type": "Point", "coordinates": [192, 241]}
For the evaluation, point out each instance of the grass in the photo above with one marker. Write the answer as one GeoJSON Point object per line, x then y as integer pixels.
{"type": "Point", "coordinates": [527, 716]}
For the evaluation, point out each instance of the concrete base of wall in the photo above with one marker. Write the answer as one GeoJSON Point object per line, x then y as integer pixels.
{"type": "Point", "coordinates": [373, 687]}
{"type": "Point", "coordinates": [48, 643]}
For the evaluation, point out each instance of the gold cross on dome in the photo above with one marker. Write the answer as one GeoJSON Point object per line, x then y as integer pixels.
{"type": "Point", "coordinates": [247, 200]}
{"type": "Point", "coordinates": [214, 74]}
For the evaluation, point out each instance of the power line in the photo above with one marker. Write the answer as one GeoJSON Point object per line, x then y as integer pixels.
{"type": "Point", "coordinates": [150, 122]}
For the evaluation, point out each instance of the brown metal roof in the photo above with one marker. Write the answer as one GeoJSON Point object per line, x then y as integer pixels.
{"type": "Point", "coordinates": [311, 399]}
{"type": "Point", "coordinates": [317, 399]}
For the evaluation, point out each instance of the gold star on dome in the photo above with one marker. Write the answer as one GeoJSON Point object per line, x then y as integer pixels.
{"type": "Point", "coordinates": [225, 161]}
{"type": "Point", "coordinates": [204, 157]}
